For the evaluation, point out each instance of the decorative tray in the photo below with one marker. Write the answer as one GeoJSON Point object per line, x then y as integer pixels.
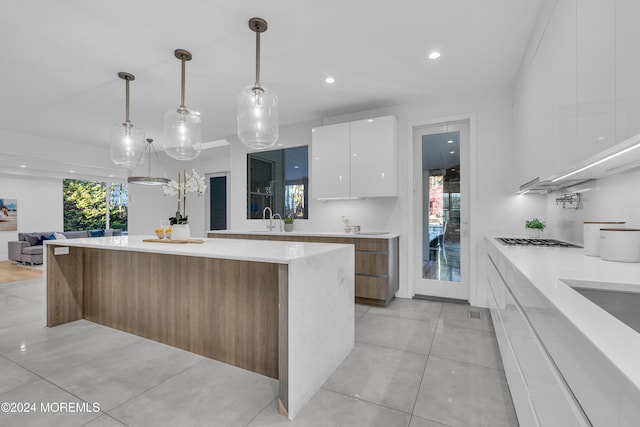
{"type": "Point", "coordinates": [173, 241]}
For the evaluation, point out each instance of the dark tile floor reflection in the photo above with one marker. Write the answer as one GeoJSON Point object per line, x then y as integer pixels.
{"type": "Point", "coordinates": [416, 363]}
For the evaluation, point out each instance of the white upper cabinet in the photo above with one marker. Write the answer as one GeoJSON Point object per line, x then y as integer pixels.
{"type": "Point", "coordinates": [356, 159]}
{"type": "Point", "coordinates": [563, 38]}
{"type": "Point", "coordinates": [627, 60]}
{"type": "Point", "coordinates": [373, 157]}
{"type": "Point", "coordinates": [596, 88]}
{"type": "Point", "coordinates": [544, 107]}
{"type": "Point", "coordinates": [330, 163]}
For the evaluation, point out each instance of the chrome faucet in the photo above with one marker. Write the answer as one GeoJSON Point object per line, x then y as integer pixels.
{"type": "Point", "coordinates": [270, 227]}
{"type": "Point", "coordinates": [279, 220]}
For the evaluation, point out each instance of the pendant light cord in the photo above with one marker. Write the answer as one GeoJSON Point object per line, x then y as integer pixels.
{"type": "Point", "coordinates": [127, 122]}
{"type": "Point", "coordinates": [155, 153]}
{"type": "Point", "coordinates": [257, 59]}
{"type": "Point", "coordinates": [182, 107]}
{"type": "Point", "coordinates": [149, 156]}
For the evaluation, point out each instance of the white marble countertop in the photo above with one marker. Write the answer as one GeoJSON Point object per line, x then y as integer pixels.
{"type": "Point", "coordinates": [364, 235]}
{"type": "Point", "coordinates": [546, 268]}
{"type": "Point", "coordinates": [242, 250]}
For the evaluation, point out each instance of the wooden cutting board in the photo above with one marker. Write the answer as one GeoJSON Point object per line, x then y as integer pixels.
{"type": "Point", "coordinates": [173, 241]}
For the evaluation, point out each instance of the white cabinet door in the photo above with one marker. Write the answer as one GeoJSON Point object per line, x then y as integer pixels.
{"type": "Point", "coordinates": [562, 36]}
{"type": "Point", "coordinates": [373, 157]}
{"type": "Point", "coordinates": [627, 66]}
{"type": "Point", "coordinates": [545, 102]}
{"type": "Point", "coordinates": [517, 385]}
{"type": "Point", "coordinates": [596, 85]}
{"type": "Point", "coordinates": [551, 400]}
{"type": "Point", "coordinates": [330, 166]}
{"type": "Point", "coordinates": [533, 117]}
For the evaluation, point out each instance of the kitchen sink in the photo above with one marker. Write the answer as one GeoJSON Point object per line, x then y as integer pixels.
{"type": "Point", "coordinates": [372, 233]}
{"type": "Point", "coordinates": [621, 303]}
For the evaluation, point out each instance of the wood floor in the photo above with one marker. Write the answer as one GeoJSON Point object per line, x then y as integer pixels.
{"type": "Point", "coordinates": [10, 272]}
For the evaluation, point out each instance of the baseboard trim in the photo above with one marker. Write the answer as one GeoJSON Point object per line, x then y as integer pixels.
{"type": "Point", "coordinates": [441, 299]}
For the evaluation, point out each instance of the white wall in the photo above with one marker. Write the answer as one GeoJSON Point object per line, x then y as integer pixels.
{"type": "Point", "coordinates": [612, 198]}
{"type": "Point", "coordinates": [39, 206]}
{"type": "Point", "coordinates": [148, 205]}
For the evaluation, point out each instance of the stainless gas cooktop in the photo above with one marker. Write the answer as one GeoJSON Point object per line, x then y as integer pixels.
{"type": "Point", "coordinates": [515, 241]}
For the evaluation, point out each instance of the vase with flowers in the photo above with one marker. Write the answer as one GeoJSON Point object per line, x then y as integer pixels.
{"type": "Point", "coordinates": [187, 183]}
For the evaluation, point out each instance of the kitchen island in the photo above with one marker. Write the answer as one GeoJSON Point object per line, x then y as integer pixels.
{"type": "Point", "coordinates": [377, 261]}
{"type": "Point", "coordinates": [284, 310]}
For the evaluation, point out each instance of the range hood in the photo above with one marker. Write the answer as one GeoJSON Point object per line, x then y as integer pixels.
{"type": "Point", "coordinates": [547, 186]}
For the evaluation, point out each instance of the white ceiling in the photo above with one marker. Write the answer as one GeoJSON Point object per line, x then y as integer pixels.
{"type": "Point", "coordinates": [60, 59]}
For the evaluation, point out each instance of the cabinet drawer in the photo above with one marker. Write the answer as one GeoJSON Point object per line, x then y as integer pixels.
{"type": "Point", "coordinates": [367, 245]}
{"type": "Point", "coordinates": [372, 264]}
{"type": "Point", "coordinates": [372, 245]}
{"type": "Point", "coordinates": [372, 287]}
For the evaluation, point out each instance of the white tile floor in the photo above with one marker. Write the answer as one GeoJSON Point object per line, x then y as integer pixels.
{"type": "Point", "coordinates": [415, 364]}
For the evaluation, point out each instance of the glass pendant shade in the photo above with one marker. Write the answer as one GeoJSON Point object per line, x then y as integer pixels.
{"type": "Point", "coordinates": [257, 112]}
{"type": "Point", "coordinates": [127, 142]}
{"type": "Point", "coordinates": [258, 126]}
{"type": "Point", "coordinates": [127, 145]}
{"type": "Point", "coordinates": [182, 134]}
{"type": "Point", "coordinates": [182, 126]}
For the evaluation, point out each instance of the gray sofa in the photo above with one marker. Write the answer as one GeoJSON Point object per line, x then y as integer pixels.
{"type": "Point", "coordinates": [28, 248]}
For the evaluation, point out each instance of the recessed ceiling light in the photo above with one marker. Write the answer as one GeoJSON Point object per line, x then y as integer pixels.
{"type": "Point", "coordinates": [110, 176]}
{"type": "Point", "coordinates": [434, 55]}
{"type": "Point", "coordinates": [370, 120]}
{"type": "Point", "coordinates": [450, 141]}
{"type": "Point", "coordinates": [329, 80]}
{"type": "Point", "coordinates": [23, 166]}
{"type": "Point", "coordinates": [72, 171]}
{"type": "Point", "coordinates": [451, 152]}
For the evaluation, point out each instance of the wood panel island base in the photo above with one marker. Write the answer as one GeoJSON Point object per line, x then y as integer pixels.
{"type": "Point", "coordinates": [284, 310]}
{"type": "Point", "coordinates": [376, 258]}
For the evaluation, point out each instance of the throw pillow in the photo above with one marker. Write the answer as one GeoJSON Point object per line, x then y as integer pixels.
{"type": "Point", "coordinates": [96, 233]}
{"type": "Point", "coordinates": [59, 236]}
{"type": "Point", "coordinates": [33, 239]}
{"type": "Point", "coordinates": [47, 237]}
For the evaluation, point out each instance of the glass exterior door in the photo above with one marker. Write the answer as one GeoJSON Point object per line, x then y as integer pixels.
{"type": "Point", "coordinates": [442, 205]}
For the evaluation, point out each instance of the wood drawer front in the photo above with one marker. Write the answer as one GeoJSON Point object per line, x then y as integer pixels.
{"type": "Point", "coordinates": [372, 287]}
{"type": "Point", "coordinates": [372, 245]}
{"type": "Point", "coordinates": [368, 245]}
{"type": "Point", "coordinates": [373, 264]}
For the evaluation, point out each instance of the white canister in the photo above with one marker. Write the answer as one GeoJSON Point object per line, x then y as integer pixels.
{"type": "Point", "coordinates": [592, 235]}
{"type": "Point", "coordinates": [620, 244]}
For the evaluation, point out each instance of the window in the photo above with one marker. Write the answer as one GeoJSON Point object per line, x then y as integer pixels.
{"type": "Point", "coordinates": [279, 180]}
{"type": "Point", "coordinates": [86, 202]}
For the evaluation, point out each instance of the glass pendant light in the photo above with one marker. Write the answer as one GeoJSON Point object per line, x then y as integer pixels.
{"type": "Point", "coordinates": [149, 180]}
{"type": "Point", "coordinates": [127, 143]}
{"type": "Point", "coordinates": [257, 105]}
{"type": "Point", "coordinates": [182, 127]}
